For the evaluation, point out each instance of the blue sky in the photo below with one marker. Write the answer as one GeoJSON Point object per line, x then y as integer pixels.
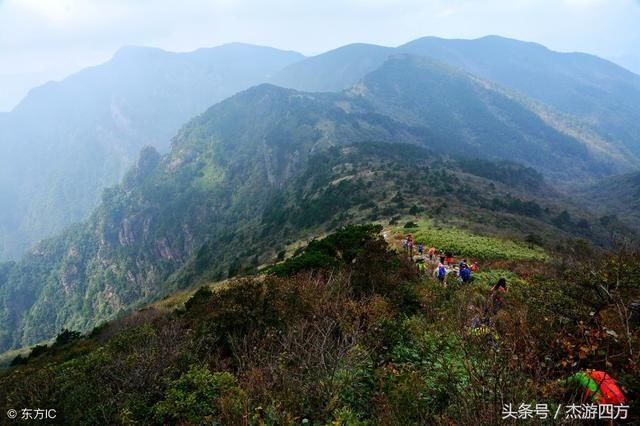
{"type": "Point", "coordinates": [49, 39]}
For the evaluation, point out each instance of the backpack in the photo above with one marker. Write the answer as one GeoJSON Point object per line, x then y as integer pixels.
{"type": "Point", "coordinates": [465, 274]}
{"type": "Point", "coordinates": [441, 272]}
{"type": "Point", "coordinates": [610, 393]}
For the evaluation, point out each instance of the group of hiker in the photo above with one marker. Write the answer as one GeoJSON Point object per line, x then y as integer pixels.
{"type": "Point", "coordinates": [598, 386]}
{"type": "Point", "coordinates": [445, 266]}
{"type": "Point", "coordinates": [444, 262]}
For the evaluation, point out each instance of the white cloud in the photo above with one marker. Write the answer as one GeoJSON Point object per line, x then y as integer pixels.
{"type": "Point", "coordinates": [446, 12]}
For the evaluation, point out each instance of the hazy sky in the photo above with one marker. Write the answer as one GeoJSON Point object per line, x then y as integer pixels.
{"type": "Point", "coordinates": [49, 39]}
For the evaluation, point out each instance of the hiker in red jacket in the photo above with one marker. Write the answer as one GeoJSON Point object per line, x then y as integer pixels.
{"type": "Point", "coordinates": [432, 252]}
{"type": "Point", "coordinates": [449, 258]}
{"type": "Point", "coordinates": [597, 386]}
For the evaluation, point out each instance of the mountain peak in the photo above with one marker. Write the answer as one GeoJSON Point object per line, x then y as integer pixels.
{"type": "Point", "coordinates": [96, 121]}
{"type": "Point", "coordinates": [242, 47]}
{"type": "Point", "coordinates": [129, 52]}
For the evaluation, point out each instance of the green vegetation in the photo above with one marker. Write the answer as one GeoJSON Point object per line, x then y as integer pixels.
{"type": "Point", "coordinates": [199, 396]}
{"type": "Point", "coordinates": [507, 172]}
{"type": "Point", "coordinates": [456, 110]}
{"type": "Point", "coordinates": [340, 248]}
{"type": "Point", "coordinates": [616, 199]}
{"type": "Point", "coordinates": [359, 341]}
{"type": "Point", "coordinates": [168, 232]}
{"type": "Point", "coordinates": [463, 243]}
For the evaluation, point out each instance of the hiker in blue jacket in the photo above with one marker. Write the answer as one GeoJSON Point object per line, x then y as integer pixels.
{"type": "Point", "coordinates": [441, 274]}
{"type": "Point", "coordinates": [465, 275]}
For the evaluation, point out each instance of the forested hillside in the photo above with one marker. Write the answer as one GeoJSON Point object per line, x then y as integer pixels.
{"type": "Point", "coordinates": [604, 95]}
{"type": "Point", "coordinates": [616, 197]}
{"type": "Point", "coordinates": [459, 114]}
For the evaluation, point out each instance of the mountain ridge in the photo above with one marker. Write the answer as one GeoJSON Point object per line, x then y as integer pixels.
{"type": "Point", "coordinates": [599, 94]}
{"type": "Point", "coordinates": [256, 170]}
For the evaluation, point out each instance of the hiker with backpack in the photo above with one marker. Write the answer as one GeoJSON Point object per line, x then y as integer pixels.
{"type": "Point", "coordinates": [595, 386]}
{"type": "Point", "coordinates": [421, 265]}
{"type": "Point", "coordinates": [432, 252]}
{"type": "Point", "coordinates": [420, 249]}
{"type": "Point", "coordinates": [465, 274]}
{"type": "Point", "coordinates": [410, 244]}
{"type": "Point", "coordinates": [441, 274]}
{"type": "Point", "coordinates": [497, 295]}
{"type": "Point", "coordinates": [442, 257]}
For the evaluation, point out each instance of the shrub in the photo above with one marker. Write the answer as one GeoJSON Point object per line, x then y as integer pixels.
{"type": "Point", "coordinates": [201, 296]}
{"type": "Point", "coordinates": [67, 336]}
{"type": "Point", "coordinates": [38, 350]}
{"type": "Point", "coordinates": [200, 396]}
{"type": "Point", "coordinates": [534, 239]}
{"type": "Point", "coordinates": [339, 248]}
{"type": "Point", "coordinates": [19, 360]}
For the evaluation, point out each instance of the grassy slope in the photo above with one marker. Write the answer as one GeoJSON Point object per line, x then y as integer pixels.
{"type": "Point", "coordinates": [464, 243]}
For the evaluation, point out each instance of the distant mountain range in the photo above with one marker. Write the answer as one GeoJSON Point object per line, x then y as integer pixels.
{"type": "Point", "coordinates": [596, 93]}
{"type": "Point", "coordinates": [271, 166]}
{"type": "Point", "coordinates": [67, 141]}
